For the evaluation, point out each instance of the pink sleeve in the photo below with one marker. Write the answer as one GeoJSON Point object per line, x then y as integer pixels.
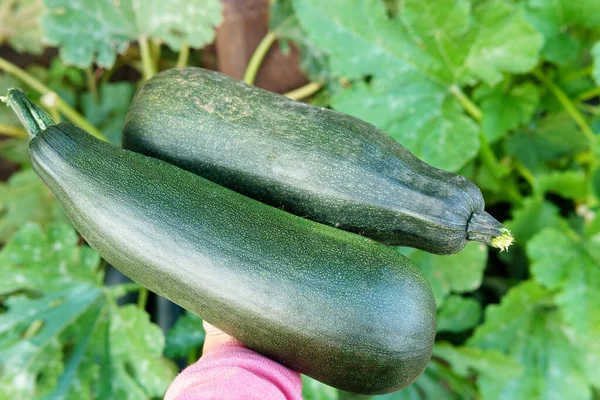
{"type": "Point", "coordinates": [232, 371]}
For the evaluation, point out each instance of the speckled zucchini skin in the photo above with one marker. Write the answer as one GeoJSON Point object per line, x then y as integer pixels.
{"type": "Point", "coordinates": [333, 305]}
{"type": "Point", "coordinates": [310, 161]}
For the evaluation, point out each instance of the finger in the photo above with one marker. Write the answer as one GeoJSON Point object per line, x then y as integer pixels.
{"type": "Point", "coordinates": [215, 336]}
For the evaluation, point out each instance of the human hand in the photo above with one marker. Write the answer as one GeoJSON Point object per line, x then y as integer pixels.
{"type": "Point", "coordinates": [215, 337]}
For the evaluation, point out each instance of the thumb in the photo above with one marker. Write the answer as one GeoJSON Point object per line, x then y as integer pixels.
{"type": "Point", "coordinates": [215, 337]}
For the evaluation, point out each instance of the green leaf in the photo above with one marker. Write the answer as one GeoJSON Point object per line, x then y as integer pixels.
{"type": "Point", "coordinates": [568, 184]}
{"type": "Point", "coordinates": [136, 345]}
{"type": "Point", "coordinates": [61, 333]}
{"type": "Point", "coordinates": [557, 20]}
{"type": "Point", "coordinates": [89, 323]}
{"type": "Point", "coordinates": [15, 150]}
{"type": "Point", "coordinates": [88, 31]}
{"type": "Point", "coordinates": [555, 136]}
{"type": "Point", "coordinates": [315, 390]}
{"type": "Point", "coordinates": [414, 61]}
{"type": "Point", "coordinates": [37, 260]}
{"type": "Point", "coordinates": [596, 184]}
{"type": "Point", "coordinates": [29, 348]}
{"type": "Point", "coordinates": [108, 112]}
{"type": "Point", "coordinates": [492, 368]}
{"type": "Point", "coordinates": [460, 272]}
{"type": "Point", "coordinates": [531, 217]}
{"type": "Point", "coordinates": [595, 52]}
{"type": "Point", "coordinates": [525, 327]}
{"type": "Point", "coordinates": [25, 198]}
{"type": "Point", "coordinates": [458, 314]}
{"type": "Point", "coordinates": [505, 109]}
{"type": "Point", "coordinates": [284, 23]}
{"type": "Point", "coordinates": [419, 117]}
{"type": "Point", "coordinates": [437, 382]}
{"type": "Point", "coordinates": [19, 20]}
{"type": "Point", "coordinates": [186, 335]}
{"type": "Point", "coordinates": [503, 41]}
{"type": "Point", "coordinates": [571, 266]}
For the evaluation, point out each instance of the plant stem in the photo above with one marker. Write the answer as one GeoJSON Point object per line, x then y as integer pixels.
{"type": "Point", "coordinates": [61, 105]}
{"type": "Point", "coordinates": [486, 154]}
{"type": "Point", "coordinates": [304, 91]}
{"type": "Point", "coordinates": [590, 108]}
{"type": "Point", "coordinates": [123, 289]}
{"type": "Point", "coordinates": [526, 174]}
{"type": "Point", "coordinates": [54, 114]}
{"type": "Point", "coordinates": [91, 82]}
{"type": "Point", "coordinates": [568, 106]}
{"type": "Point", "coordinates": [467, 104]}
{"type": "Point", "coordinates": [489, 158]}
{"type": "Point", "coordinates": [192, 356]}
{"type": "Point", "coordinates": [184, 55]}
{"type": "Point", "coordinates": [155, 50]}
{"type": "Point", "coordinates": [148, 70]}
{"type": "Point", "coordinates": [257, 57]}
{"type": "Point", "coordinates": [24, 76]}
{"type": "Point", "coordinates": [589, 94]}
{"type": "Point", "coordinates": [12, 131]}
{"type": "Point", "coordinates": [142, 298]}
{"type": "Point", "coordinates": [578, 74]}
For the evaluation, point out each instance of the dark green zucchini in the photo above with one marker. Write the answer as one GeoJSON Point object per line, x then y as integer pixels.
{"type": "Point", "coordinates": [310, 161]}
{"type": "Point", "coordinates": [336, 306]}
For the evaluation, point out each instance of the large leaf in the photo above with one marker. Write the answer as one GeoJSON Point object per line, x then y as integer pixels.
{"type": "Point", "coordinates": [492, 368]}
{"type": "Point", "coordinates": [61, 333]}
{"type": "Point", "coordinates": [460, 272]}
{"type": "Point", "coordinates": [36, 260]}
{"type": "Point", "coordinates": [20, 25]}
{"type": "Point", "coordinates": [568, 184]}
{"type": "Point", "coordinates": [554, 137]}
{"type": "Point", "coordinates": [285, 24]}
{"type": "Point", "coordinates": [531, 217]}
{"type": "Point", "coordinates": [571, 265]}
{"type": "Point", "coordinates": [186, 335]}
{"type": "Point", "coordinates": [109, 109]}
{"type": "Point", "coordinates": [558, 21]}
{"type": "Point", "coordinates": [458, 314]}
{"type": "Point", "coordinates": [505, 109]}
{"type": "Point", "coordinates": [25, 198]}
{"type": "Point", "coordinates": [525, 327]}
{"type": "Point", "coordinates": [437, 382]}
{"type": "Point", "coordinates": [88, 31]}
{"type": "Point", "coordinates": [30, 350]}
{"type": "Point", "coordinates": [137, 368]}
{"type": "Point", "coordinates": [416, 61]}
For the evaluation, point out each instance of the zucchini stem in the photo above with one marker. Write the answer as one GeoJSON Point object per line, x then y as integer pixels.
{"type": "Point", "coordinates": [34, 119]}
{"type": "Point", "coordinates": [568, 106]}
{"type": "Point", "coordinates": [304, 91]}
{"type": "Point", "coordinates": [582, 73]}
{"type": "Point", "coordinates": [148, 70]}
{"type": "Point", "coordinates": [589, 94]}
{"type": "Point", "coordinates": [258, 56]}
{"type": "Point", "coordinates": [184, 55]}
{"type": "Point", "coordinates": [261, 51]}
{"type": "Point", "coordinates": [142, 298]}
{"type": "Point", "coordinates": [12, 131]}
{"type": "Point", "coordinates": [482, 227]}
{"type": "Point", "coordinates": [470, 107]}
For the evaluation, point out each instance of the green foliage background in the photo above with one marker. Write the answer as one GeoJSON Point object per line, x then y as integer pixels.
{"type": "Point", "coordinates": [506, 93]}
